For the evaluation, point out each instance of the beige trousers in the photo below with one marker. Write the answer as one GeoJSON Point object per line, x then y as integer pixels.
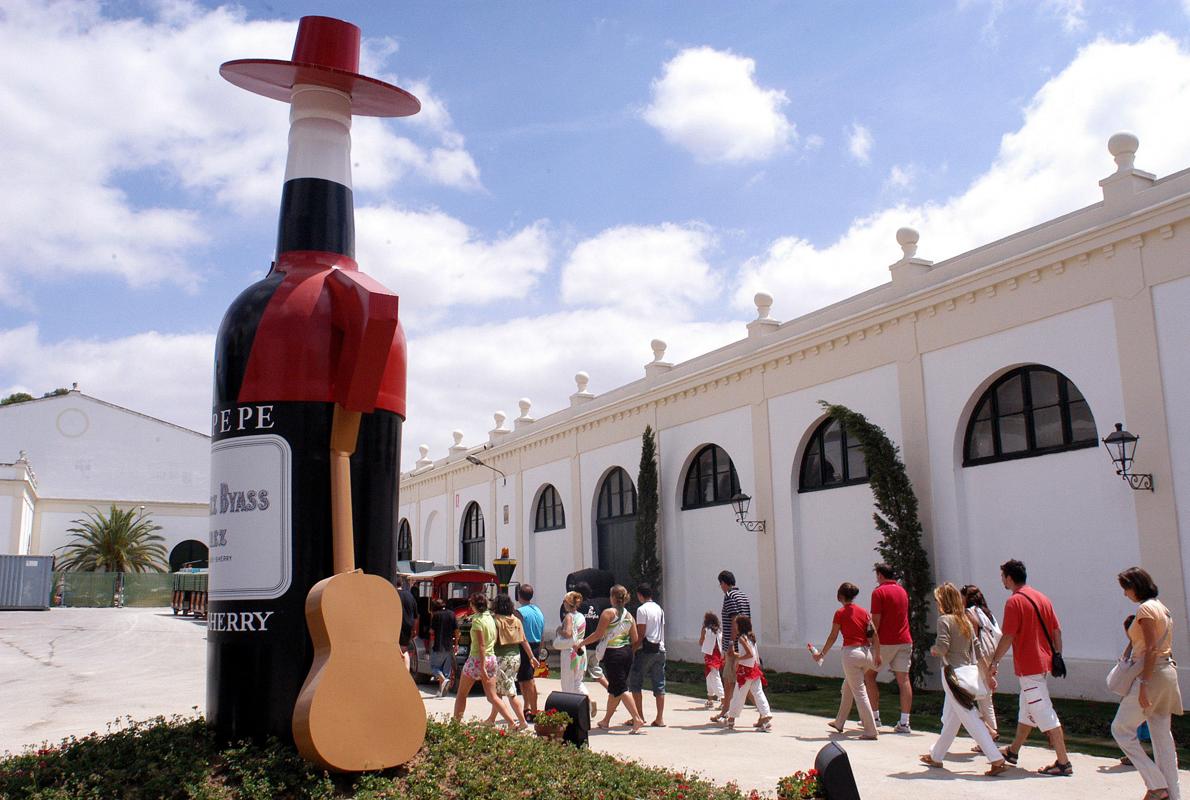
{"type": "Point", "coordinates": [855, 661]}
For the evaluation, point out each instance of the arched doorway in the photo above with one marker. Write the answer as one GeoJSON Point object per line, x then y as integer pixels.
{"type": "Point", "coordinates": [472, 536]}
{"type": "Point", "coordinates": [615, 525]}
{"type": "Point", "coordinates": [404, 541]}
{"type": "Point", "coordinates": [190, 553]}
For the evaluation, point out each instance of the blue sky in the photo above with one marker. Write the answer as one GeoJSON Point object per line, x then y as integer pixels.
{"type": "Point", "coordinates": [584, 177]}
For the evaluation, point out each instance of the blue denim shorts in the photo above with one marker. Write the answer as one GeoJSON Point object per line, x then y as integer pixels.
{"type": "Point", "coordinates": [441, 663]}
{"type": "Point", "coordinates": [651, 664]}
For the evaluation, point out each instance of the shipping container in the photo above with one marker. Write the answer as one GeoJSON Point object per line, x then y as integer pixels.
{"type": "Point", "coordinates": [25, 582]}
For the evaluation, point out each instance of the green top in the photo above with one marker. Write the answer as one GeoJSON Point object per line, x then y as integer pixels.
{"type": "Point", "coordinates": [619, 633]}
{"type": "Point", "coordinates": [485, 623]}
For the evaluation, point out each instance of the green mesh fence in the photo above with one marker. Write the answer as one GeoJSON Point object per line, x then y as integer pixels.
{"type": "Point", "coordinates": [98, 589]}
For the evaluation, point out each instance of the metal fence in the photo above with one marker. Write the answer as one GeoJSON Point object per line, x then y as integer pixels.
{"type": "Point", "coordinates": [98, 589]}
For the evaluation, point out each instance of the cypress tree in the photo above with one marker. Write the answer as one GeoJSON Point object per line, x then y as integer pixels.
{"type": "Point", "coordinates": [646, 560]}
{"type": "Point", "coordinates": [897, 522]}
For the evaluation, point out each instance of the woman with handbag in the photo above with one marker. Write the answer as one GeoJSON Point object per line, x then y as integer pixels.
{"type": "Point", "coordinates": [1150, 689]}
{"type": "Point", "coordinates": [510, 643]}
{"type": "Point", "coordinates": [962, 682]}
{"type": "Point", "coordinates": [987, 637]}
{"type": "Point", "coordinates": [861, 652]}
{"type": "Point", "coordinates": [573, 657]}
{"type": "Point", "coordinates": [617, 637]}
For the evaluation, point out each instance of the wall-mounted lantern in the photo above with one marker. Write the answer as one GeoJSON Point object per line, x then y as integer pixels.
{"type": "Point", "coordinates": [1121, 446]}
{"type": "Point", "coordinates": [740, 503]}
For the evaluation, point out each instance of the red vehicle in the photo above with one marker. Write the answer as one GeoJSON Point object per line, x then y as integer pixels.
{"type": "Point", "coordinates": [453, 587]}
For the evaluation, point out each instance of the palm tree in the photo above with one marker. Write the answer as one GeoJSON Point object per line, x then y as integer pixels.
{"type": "Point", "coordinates": [123, 541]}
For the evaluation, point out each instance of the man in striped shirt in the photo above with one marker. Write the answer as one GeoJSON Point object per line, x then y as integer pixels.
{"type": "Point", "coordinates": [735, 602]}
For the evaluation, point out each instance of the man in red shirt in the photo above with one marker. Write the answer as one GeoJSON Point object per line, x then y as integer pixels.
{"type": "Point", "coordinates": [890, 617]}
{"type": "Point", "coordinates": [1026, 611]}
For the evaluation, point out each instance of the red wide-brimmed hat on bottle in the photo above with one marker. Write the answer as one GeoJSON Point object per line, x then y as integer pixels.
{"type": "Point", "coordinates": [326, 53]}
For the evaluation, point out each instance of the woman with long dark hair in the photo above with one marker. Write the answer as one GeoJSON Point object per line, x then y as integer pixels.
{"type": "Point", "coordinates": [481, 661]}
{"type": "Point", "coordinates": [618, 638]}
{"type": "Point", "coordinates": [987, 636]}
{"type": "Point", "coordinates": [1155, 695]}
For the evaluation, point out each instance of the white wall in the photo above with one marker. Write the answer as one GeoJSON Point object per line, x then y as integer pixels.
{"type": "Point", "coordinates": [594, 465]}
{"type": "Point", "coordinates": [1170, 304]}
{"type": "Point", "coordinates": [83, 448]}
{"type": "Point", "coordinates": [1066, 515]}
{"type": "Point", "coordinates": [699, 543]}
{"type": "Point", "coordinates": [548, 555]}
{"type": "Point", "coordinates": [826, 537]}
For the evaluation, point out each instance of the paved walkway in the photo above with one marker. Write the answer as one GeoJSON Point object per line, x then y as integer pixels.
{"type": "Point", "coordinates": [71, 671]}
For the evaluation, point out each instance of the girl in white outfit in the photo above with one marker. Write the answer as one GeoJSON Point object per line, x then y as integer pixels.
{"type": "Point", "coordinates": [573, 660]}
{"type": "Point", "coordinates": [749, 677]}
{"type": "Point", "coordinates": [955, 646]}
{"type": "Point", "coordinates": [711, 643]}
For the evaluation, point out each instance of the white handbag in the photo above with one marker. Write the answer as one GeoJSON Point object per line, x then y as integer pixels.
{"type": "Point", "coordinates": [969, 678]}
{"type": "Point", "coordinates": [1123, 674]}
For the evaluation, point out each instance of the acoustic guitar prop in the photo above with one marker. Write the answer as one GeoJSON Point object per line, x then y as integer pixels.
{"type": "Point", "coordinates": [359, 708]}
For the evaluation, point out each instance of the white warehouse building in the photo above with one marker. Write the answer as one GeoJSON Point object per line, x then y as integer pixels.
{"type": "Point", "coordinates": [73, 453]}
{"type": "Point", "coordinates": [997, 372]}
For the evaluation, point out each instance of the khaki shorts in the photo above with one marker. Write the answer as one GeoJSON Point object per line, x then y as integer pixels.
{"type": "Point", "coordinates": [896, 657]}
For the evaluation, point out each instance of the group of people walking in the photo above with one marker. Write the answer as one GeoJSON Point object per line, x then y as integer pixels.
{"type": "Point", "coordinates": [621, 651]}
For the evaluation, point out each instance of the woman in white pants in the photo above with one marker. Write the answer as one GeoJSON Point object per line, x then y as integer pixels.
{"type": "Point", "coordinates": [1155, 695]}
{"type": "Point", "coordinates": [987, 636]}
{"type": "Point", "coordinates": [955, 646]}
{"type": "Point", "coordinates": [573, 660]}
{"type": "Point", "coordinates": [861, 652]}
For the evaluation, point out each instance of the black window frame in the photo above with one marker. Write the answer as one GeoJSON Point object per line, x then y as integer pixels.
{"type": "Point", "coordinates": [473, 522]}
{"type": "Point", "coordinates": [989, 396]}
{"type": "Point", "coordinates": [550, 514]}
{"type": "Point", "coordinates": [615, 496]}
{"type": "Point", "coordinates": [816, 444]}
{"type": "Point", "coordinates": [404, 541]}
{"type": "Point", "coordinates": [692, 494]}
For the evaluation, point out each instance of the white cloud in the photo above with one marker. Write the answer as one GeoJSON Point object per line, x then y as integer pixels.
{"type": "Point", "coordinates": [110, 100]}
{"type": "Point", "coordinates": [167, 376]}
{"type": "Point", "coordinates": [1072, 13]}
{"type": "Point", "coordinates": [435, 261]}
{"type": "Point", "coordinates": [1046, 168]}
{"type": "Point", "coordinates": [901, 177]}
{"type": "Point", "coordinates": [462, 374]}
{"type": "Point", "coordinates": [859, 142]}
{"type": "Point", "coordinates": [814, 141]}
{"type": "Point", "coordinates": [643, 269]}
{"type": "Point", "coordinates": [708, 102]}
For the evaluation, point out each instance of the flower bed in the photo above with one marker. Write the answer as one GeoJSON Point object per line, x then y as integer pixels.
{"type": "Point", "coordinates": [179, 758]}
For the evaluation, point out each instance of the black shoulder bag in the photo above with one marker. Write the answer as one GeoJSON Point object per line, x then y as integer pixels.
{"type": "Point", "coordinates": [1058, 670]}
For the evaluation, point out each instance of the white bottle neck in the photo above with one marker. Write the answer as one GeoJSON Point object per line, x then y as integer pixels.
{"type": "Point", "coordinates": [319, 135]}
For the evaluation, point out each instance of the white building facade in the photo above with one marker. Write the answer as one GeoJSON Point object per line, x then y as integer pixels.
{"type": "Point", "coordinates": [997, 373]}
{"type": "Point", "coordinates": [75, 454]}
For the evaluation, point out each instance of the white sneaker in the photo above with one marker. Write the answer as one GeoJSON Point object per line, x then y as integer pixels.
{"type": "Point", "coordinates": [879, 724]}
{"type": "Point", "coordinates": [902, 727]}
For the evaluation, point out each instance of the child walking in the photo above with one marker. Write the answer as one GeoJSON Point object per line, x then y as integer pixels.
{"type": "Point", "coordinates": [711, 643]}
{"type": "Point", "coordinates": [749, 677]}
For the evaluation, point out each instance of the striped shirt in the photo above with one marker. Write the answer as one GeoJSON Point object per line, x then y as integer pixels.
{"type": "Point", "coordinates": [735, 602]}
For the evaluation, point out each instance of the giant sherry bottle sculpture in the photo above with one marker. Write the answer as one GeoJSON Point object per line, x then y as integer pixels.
{"type": "Point", "coordinates": [314, 341]}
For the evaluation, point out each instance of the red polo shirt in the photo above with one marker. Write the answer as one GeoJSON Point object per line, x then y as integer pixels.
{"type": "Point", "coordinates": [891, 602]}
{"type": "Point", "coordinates": [1030, 652]}
{"type": "Point", "coordinates": [853, 622]}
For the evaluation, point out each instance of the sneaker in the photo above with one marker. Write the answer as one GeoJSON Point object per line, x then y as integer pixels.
{"type": "Point", "coordinates": [879, 724]}
{"type": "Point", "coordinates": [902, 727]}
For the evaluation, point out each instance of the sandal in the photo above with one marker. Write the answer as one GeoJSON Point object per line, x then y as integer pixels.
{"type": "Point", "coordinates": [1057, 769]}
{"type": "Point", "coordinates": [1152, 794]}
{"type": "Point", "coordinates": [997, 768]}
{"type": "Point", "coordinates": [929, 761]}
{"type": "Point", "coordinates": [834, 727]}
{"type": "Point", "coordinates": [722, 715]}
{"type": "Point", "coordinates": [1009, 756]}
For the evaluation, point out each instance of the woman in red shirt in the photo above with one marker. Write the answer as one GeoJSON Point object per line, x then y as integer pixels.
{"type": "Point", "coordinates": [861, 652]}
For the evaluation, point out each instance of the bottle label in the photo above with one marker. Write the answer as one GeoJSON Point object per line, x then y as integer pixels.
{"type": "Point", "coordinates": [250, 534]}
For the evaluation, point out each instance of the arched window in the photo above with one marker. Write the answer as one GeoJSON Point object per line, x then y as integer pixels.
{"type": "Point", "coordinates": [710, 479]}
{"type": "Point", "coordinates": [404, 542]}
{"type": "Point", "coordinates": [1030, 411]}
{"type": "Point", "coordinates": [473, 535]}
{"type": "Point", "coordinates": [550, 516]}
{"type": "Point", "coordinates": [190, 553]}
{"type": "Point", "coordinates": [615, 525]}
{"type": "Point", "coordinates": [832, 459]}
{"type": "Point", "coordinates": [617, 496]}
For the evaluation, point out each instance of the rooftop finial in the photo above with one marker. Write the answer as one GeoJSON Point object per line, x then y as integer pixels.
{"type": "Point", "coordinates": [762, 324]}
{"type": "Point", "coordinates": [499, 432]}
{"type": "Point", "coordinates": [424, 460]}
{"type": "Point", "coordinates": [524, 419]}
{"type": "Point", "coordinates": [1123, 147]}
{"type": "Point", "coordinates": [581, 379]}
{"type": "Point", "coordinates": [658, 346]}
{"type": "Point", "coordinates": [499, 418]}
{"type": "Point", "coordinates": [457, 435]}
{"type": "Point", "coordinates": [658, 365]}
{"type": "Point", "coordinates": [907, 238]}
{"type": "Point", "coordinates": [458, 448]}
{"type": "Point", "coordinates": [764, 304]}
